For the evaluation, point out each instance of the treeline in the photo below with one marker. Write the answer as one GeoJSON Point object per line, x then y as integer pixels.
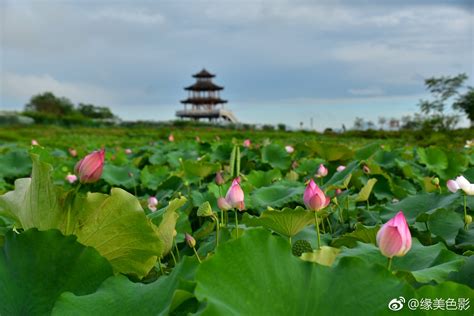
{"type": "Point", "coordinates": [46, 108]}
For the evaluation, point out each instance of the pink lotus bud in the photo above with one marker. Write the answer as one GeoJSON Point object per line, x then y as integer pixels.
{"type": "Point", "coordinates": [394, 238]}
{"type": "Point", "coordinates": [338, 192]}
{"type": "Point", "coordinates": [235, 196]}
{"type": "Point", "coordinates": [247, 143]}
{"type": "Point", "coordinates": [128, 151]}
{"type": "Point", "coordinates": [152, 203]}
{"type": "Point", "coordinates": [465, 185]}
{"type": "Point", "coordinates": [219, 178]}
{"type": "Point", "coordinates": [72, 152]}
{"type": "Point", "coordinates": [340, 168]}
{"type": "Point", "coordinates": [322, 171]}
{"type": "Point", "coordinates": [190, 240]}
{"type": "Point", "coordinates": [452, 185]}
{"type": "Point", "coordinates": [89, 169]}
{"type": "Point", "coordinates": [223, 205]}
{"type": "Point", "coordinates": [289, 149]}
{"type": "Point", "coordinates": [34, 142]}
{"type": "Point", "coordinates": [294, 164]}
{"type": "Point", "coordinates": [366, 169]}
{"type": "Point", "coordinates": [71, 178]}
{"type": "Point", "coordinates": [314, 198]}
{"type": "Point", "coordinates": [171, 138]}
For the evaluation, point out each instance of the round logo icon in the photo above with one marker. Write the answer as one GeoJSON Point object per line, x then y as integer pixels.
{"type": "Point", "coordinates": [396, 304]}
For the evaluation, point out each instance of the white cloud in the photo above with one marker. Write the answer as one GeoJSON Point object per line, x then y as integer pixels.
{"type": "Point", "coordinates": [138, 16]}
{"type": "Point", "coordinates": [370, 91]}
{"type": "Point", "coordinates": [23, 87]}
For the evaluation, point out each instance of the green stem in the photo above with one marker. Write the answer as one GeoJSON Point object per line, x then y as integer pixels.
{"type": "Point", "coordinates": [236, 223]}
{"type": "Point", "coordinates": [465, 212]}
{"type": "Point", "coordinates": [217, 231]}
{"type": "Point", "coordinates": [289, 239]}
{"type": "Point", "coordinates": [174, 258]}
{"type": "Point", "coordinates": [389, 264]}
{"type": "Point", "coordinates": [329, 223]}
{"type": "Point", "coordinates": [323, 227]}
{"type": "Point", "coordinates": [317, 229]}
{"type": "Point", "coordinates": [177, 250]}
{"type": "Point", "coordinates": [68, 216]}
{"type": "Point", "coordinates": [197, 256]}
{"type": "Point", "coordinates": [161, 267]}
{"type": "Point", "coordinates": [340, 214]}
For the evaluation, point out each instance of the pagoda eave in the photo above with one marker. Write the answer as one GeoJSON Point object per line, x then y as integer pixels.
{"type": "Point", "coordinates": [199, 101]}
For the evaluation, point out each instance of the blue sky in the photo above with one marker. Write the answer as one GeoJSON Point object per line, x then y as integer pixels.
{"type": "Point", "coordinates": [280, 61]}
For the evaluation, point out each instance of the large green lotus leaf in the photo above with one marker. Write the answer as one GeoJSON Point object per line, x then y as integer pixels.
{"type": "Point", "coordinates": [37, 266]}
{"type": "Point", "coordinates": [14, 164]}
{"type": "Point", "coordinates": [367, 151]}
{"type": "Point", "coordinates": [415, 205]}
{"type": "Point", "coordinates": [257, 275]}
{"type": "Point", "coordinates": [341, 179]}
{"type": "Point", "coordinates": [168, 222]}
{"type": "Point", "coordinates": [34, 202]}
{"type": "Point", "coordinates": [465, 239]}
{"type": "Point", "coordinates": [445, 291]}
{"type": "Point", "coordinates": [125, 176]}
{"type": "Point", "coordinates": [425, 263]}
{"type": "Point", "coordinates": [331, 152]}
{"type": "Point", "coordinates": [457, 163]}
{"type": "Point", "coordinates": [263, 178]}
{"type": "Point", "coordinates": [309, 166]}
{"type": "Point", "coordinates": [118, 228]}
{"type": "Point", "coordinates": [287, 222]}
{"type": "Point", "coordinates": [465, 275]}
{"type": "Point", "coordinates": [361, 233]}
{"type": "Point", "coordinates": [119, 296]}
{"type": "Point", "coordinates": [434, 158]}
{"type": "Point", "coordinates": [152, 176]}
{"type": "Point", "coordinates": [445, 224]}
{"type": "Point", "coordinates": [198, 170]}
{"type": "Point", "coordinates": [276, 195]}
{"type": "Point", "coordinates": [276, 156]}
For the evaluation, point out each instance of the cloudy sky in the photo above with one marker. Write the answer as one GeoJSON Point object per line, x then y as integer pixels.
{"type": "Point", "coordinates": [280, 61]}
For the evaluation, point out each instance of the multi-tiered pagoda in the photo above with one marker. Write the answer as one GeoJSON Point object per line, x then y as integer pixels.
{"type": "Point", "coordinates": [204, 100]}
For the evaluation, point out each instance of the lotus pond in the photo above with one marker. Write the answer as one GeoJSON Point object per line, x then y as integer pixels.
{"type": "Point", "coordinates": [155, 232]}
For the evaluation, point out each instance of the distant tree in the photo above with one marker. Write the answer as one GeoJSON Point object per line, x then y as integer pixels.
{"type": "Point", "coordinates": [442, 89]}
{"type": "Point", "coordinates": [96, 112]}
{"type": "Point", "coordinates": [358, 123]}
{"type": "Point", "coordinates": [382, 120]}
{"type": "Point", "coordinates": [48, 103]}
{"type": "Point", "coordinates": [394, 123]}
{"type": "Point", "coordinates": [370, 125]}
{"type": "Point", "coordinates": [465, 103]}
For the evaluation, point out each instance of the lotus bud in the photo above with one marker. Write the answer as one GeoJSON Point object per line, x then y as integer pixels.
{"type": "Point", "coordinates": [90, 168]}
{"type": "Point", "coordinates": [452, 185]}
{"type": "Point", "coordinates": [289, 149]}
{"type": "Point", "coordinates": [468, 219]}
{"type": "Point", "coordinates": [171, 138]}
{"type": "Point", "coordinates": [34, 142]}
{"type": "Point", "coordinates": [338, 191]}
{"type": "Point", "coordinates": [294, 164]}
{"type": "Point", "coordinates": [465, 185]}
{"type": "Point", "coordinates": [72, 152]}
{"type": "Point", "coordinates": [219, 178]}
{"type": "Point", "coordinates": [71, 178]}
{"type": "Point", "coordinates": [128, 151]}
{"type": "Point", "coordinates": [435, 181]}
{"type": "Point", "coordinates": [223, 205]}
{"type": "Point", "coordinates": [152, 203]}
{"type": "Point", "coordinates": [322, 171]}
{"type": "Point", "coordinates": [314, 198]}
{"type": "Point", "coordinates": [247, 143]}
{"type": "Point", "coordinates": [394, 238]}
{"type": "Point", "coordinates": [366, 169]}
{"type": "Point", "coordinates": [190, 240]}
{"type": "Point", "coordinates": [235, 195]}
{"type": "Point", "coordinates": [340, 168]}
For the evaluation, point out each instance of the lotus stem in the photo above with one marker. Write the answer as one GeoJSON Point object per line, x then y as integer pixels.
{"type": "Point", "coordinates": [174, 258]}
{"type": "Point", "coordinates": [329, 224]}
{"type": "Point", "coordinates": [177, 250]}
{"type": "Point", "coordinates": [68, 216]}
{"type": "Point", "coordinates": [465, 212]}
{"type": "Point", "coordinates": [236, 223]}
{"type": "Point", "coordinates": [217, 230]}
{"type": "Point", "coordinates": [197, 256]}
{"type": "Point", "coordinates": [389, 264]}
{"type": "Point", "coordinates": [317, 229]}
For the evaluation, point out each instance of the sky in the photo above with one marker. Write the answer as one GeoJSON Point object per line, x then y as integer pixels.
{"type": "Point", "coordinates": [280, 61]}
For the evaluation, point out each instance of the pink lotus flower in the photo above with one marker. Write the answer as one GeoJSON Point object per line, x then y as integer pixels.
{"type": "Point", "coordinates": [322, 171]}
{"type": "Point", "coordinates": [340, 168]}
{"type": "Point", "coordinates": [289, 149]}
{"type": "Point", "coordinates": [247, 143]}
{"type": "Point", "coordinates": [465, 185]}
{"type": "Point", "coordinates": [72, 152]}
{"type": "Point", "coordinates": [452, 185]}
{"type": "Point", "coordinates": [219, 178]}
{"type": "Point", "coordinates": [223, 205]}
{"type": "Point", "coordinates": [71, 178]}
{"type": "Point", "coordinates": [190, 240]}
{"type": "Point", "coordinates": [235, 195]}
{"type": "Point", "coordinates": [152, 203]}
{"type": "Point", "coordinates": [314, 198]}
{"type": "Point", "coordinates": [394, 238]}
{"type": "Point", "coordinates": [171, 138]}
{"type": "Point", "coordinates": [34, 142]}
{"type": "Point", "coordinates": [90, 168]}
{"type": "Point", "coordinates": [128, 151]}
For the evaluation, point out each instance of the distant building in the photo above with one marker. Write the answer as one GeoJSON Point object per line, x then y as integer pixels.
{"type": "Point", "coordinates": [204, 100]}
{"type": "Point", "coordinates": [10, 117]}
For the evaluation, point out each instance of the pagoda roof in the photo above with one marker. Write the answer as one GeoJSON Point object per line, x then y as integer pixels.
{"type": "Point", "coordinates": [204, 74]}
{"type": "Point", "coordinates": [203, 101]}
{"type": "Point", "coordinates": [204, 86]}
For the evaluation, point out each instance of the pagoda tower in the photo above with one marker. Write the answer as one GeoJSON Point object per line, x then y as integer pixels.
{"type": "Point", "coordinates": [204, 99]}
